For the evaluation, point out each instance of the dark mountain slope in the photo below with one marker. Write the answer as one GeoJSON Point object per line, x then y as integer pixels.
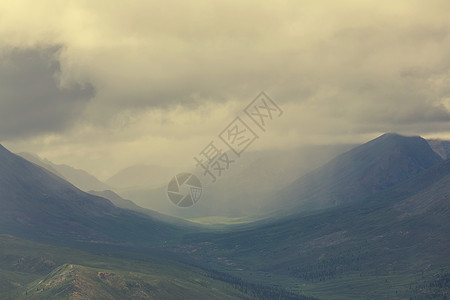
{"type": "Point", "coordinates": [79, 178]}
{"type": "Point", "coordinates": [400, 235]}
{"type": "Point", "coordinates": [359, 173]}
{"type": "Point", "coordinates": [39, 204]}
{"type": "Point", "coordinates": [130, 205]}
{"type": "Point", "coordinates": [118, 201]}
{"type": "Point", "coordinates": [441, 147]}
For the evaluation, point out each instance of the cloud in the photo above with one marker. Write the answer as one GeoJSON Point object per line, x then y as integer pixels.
{"type": "Point", "coordinates": [164, 70]}
{"type": "Point", "coordinates": [31, 100]}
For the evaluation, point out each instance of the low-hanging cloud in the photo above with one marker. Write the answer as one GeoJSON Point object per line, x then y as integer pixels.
{"type": "Point", "coordinates": [32, 101]}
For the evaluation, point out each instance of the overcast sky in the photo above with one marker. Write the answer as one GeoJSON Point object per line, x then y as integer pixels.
{"type": "Point", "coordinates": [102, 85]}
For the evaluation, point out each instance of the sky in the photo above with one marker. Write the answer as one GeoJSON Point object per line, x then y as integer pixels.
{"type": "Point", "coordinates": [102, 85]}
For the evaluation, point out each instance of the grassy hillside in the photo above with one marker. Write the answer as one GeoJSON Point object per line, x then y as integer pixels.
{"type": "Point", "coordinates": [392, 245]}
{"type": "Point", "coordinates": [30, 270]}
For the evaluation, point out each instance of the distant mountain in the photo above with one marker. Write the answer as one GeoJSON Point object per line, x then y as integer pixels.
{"type": "Point", "coordinates": [139, 176]}
{"type": "Point", "coordinates": [79, 178]}
{"type": "Point", "coordinates": [241, 189]}
{"type": "Point", "coordinates": [36, 203]}
{"type": "Point", "coordinates": [441, 147]}
{"type": "Point", "coordinates": [38, 161]}
{"type": "Point", "coordinates": [130, 205]}
{"type": "Point", "coordinates": [359, 173]}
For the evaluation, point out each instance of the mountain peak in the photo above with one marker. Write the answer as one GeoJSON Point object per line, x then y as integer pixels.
{"type": "Point", "coordinates": [390, 134]}
{"type": "Point", "coordinates": [369, 168]}
{"type": "Point", "coordinates": [392, 137]}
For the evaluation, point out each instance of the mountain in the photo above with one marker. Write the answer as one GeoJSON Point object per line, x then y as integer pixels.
{"type": "Point", "coordinates": [79, 178]}
{"type": "Point", "coordinates": [117, 200]}
{"type": "Point", "coordinates": [36, 203]}
{"type": "Point", "coordinates": [139, 176]}
{"type": "Point", "coordinates": [392, 245]}
{"type": "Point", "coordinates": [38, 161]}
{"type": "Point", "coordinates": [359, 173]}
{"type": "Point", "coordinates": [58, 242]}
{"type": "Point", "coordinates": [130, 205]}
{"type": "Point", "coordinates": [441, 147]}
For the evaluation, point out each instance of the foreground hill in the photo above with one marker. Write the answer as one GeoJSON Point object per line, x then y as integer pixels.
{"type": "Point", "coordinates": [78, 282]}
{"type": "Point", "coordinates": [31, 270]}
{"type": "Point", "coordinates": [359, 173]}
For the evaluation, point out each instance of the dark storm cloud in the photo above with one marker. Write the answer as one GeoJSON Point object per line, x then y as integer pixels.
{"type": "Point", "coordinates": [31, 99]}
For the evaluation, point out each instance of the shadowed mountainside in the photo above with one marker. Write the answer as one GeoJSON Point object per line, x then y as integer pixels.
{"type": "Point", "coordinates": [36, 203]}
{"type": "Point", "coordinates": [79, 178]}
{"type": "Point", "coordinates": [441, 147]}
{"type": "Point", "coordinates": [359, 173]}
{"type": "Point", "coordinates": [392, 245]}
{"type": "Point", "coordinates": [130, 205]}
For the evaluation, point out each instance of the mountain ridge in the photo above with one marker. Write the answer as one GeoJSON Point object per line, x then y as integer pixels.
{"type": "Point", "coordinates": [37, 203]}
{"type": "Point", "coordinates": [79, 178]}
{"type": "Point", "coordinates": [359, 173]}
